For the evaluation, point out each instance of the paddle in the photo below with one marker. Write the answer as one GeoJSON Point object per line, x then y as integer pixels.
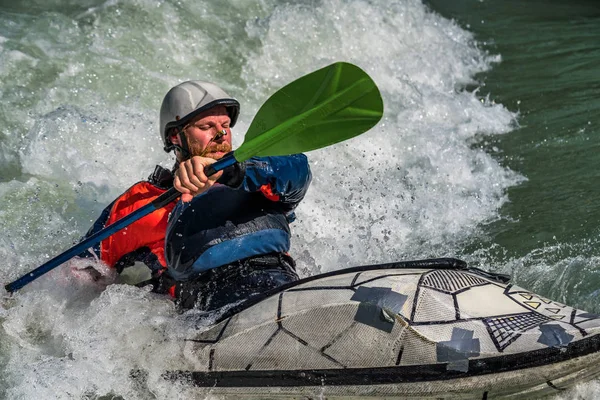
{"type": "Point", "coordinates": [324, 107]}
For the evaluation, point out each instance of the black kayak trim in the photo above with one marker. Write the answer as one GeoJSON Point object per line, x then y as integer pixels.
{"type": "Point", "coordinates": [386, 375]}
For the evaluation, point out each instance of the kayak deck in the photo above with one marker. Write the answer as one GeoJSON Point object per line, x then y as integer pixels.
{"type": "Point", "coordinates": [431, 328]}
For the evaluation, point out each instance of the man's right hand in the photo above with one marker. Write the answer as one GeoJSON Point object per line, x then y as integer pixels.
{"type": "Point", "coordinates": [190, 178]}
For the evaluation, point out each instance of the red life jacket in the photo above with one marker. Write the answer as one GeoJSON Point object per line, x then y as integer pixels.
{"type": "Point", "coordinates": [147, 232]}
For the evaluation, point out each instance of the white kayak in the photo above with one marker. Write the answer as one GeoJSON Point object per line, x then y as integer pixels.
{"type": "Point", "coordinates": [426, 329]}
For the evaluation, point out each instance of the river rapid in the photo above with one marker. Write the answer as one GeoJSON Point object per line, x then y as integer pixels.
{"type": "Point", "coordinates": [487, 151]}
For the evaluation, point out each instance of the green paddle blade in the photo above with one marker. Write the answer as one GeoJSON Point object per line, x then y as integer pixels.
{"type": "Point", "coordinates": [325, 107]}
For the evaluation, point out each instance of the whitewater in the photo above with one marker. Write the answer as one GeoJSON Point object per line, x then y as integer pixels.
{"type": "Point", "coordinates": [81, 87]}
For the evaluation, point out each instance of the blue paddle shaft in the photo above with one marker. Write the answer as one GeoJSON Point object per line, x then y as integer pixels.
{"type": "Point", "coordinates": [102, 234]}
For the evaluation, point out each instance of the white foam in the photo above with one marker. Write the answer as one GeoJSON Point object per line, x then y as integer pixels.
{"type": "Point", "coordinates": [70, 342]}
{"type": "Point", "coordinates": [86, 147]}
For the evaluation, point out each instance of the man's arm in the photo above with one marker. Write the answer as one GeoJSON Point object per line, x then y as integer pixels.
{"type": "Point", "coordinates": [281, 178]}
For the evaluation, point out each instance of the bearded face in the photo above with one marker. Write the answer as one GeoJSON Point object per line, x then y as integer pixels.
{"type": "Point", "coordinates": [213, 150]}
{"type": "Point", "coordinates": [207, 135]}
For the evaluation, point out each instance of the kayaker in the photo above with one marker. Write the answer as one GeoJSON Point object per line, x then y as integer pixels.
{"type": "Point", "coordinates": [228, 236]}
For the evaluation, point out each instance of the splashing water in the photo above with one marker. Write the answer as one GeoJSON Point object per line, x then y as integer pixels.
{"type": "Point", "coordinates": [82, 83]}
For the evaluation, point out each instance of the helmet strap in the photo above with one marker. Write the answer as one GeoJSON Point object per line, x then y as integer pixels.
{"type": "Point", "coordinates": [183, 148]}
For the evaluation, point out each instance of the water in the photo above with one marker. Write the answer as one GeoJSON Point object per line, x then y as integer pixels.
{"type": "Point", "coordinates": [549, 74]}
{"type": "Point", "coordinates": [486, 152]}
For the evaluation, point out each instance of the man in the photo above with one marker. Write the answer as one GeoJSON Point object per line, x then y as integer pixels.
{"type": "Point", "coordinates": [227, 237]}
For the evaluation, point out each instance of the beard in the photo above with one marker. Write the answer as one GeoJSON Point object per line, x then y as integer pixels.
{"type": "Point", "coordinates": [196, 149]}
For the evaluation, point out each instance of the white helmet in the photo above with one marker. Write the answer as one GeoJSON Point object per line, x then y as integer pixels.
{"type": "Point", "coordinates": [188, 99]}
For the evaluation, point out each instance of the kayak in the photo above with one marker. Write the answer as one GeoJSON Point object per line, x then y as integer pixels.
{"type": "Point", "coordinates": [427, 329]}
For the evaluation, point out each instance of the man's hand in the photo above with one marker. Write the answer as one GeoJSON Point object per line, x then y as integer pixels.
{"type": "Point", "coordinates": [190, 179]}
{"type": "Point", "coordinates": [89, 271]}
